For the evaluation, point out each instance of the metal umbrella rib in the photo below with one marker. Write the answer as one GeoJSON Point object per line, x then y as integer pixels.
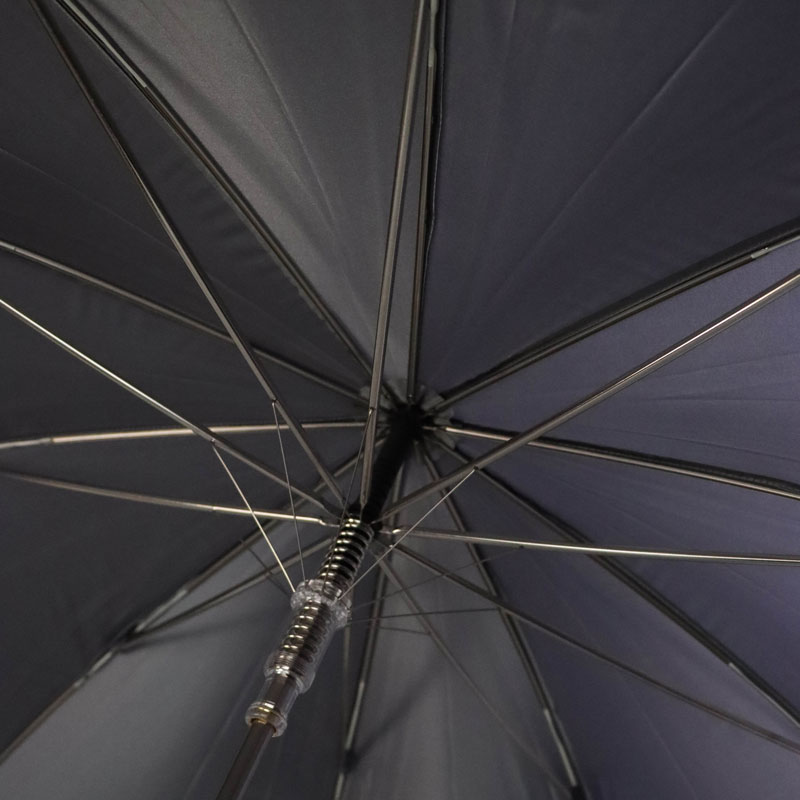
{"type": "Point", "coordinates": [729, 477]}
{"type": "Point", "coordinates": [158, 500]}
{"type": "Point", "coordinates": [422, 209]}
{"type": "Point", "coordinates": [472, 537]}
{"type": "Point", "coordinates": [134, 434]}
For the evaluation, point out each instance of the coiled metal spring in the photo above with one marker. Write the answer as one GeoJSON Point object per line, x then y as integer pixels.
{"type": "Point", "coordinates": [345, 556]}
{"type": "Point", "coordinates": [298, 653]}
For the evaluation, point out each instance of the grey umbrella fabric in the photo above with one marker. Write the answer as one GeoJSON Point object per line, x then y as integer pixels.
{"type": "Point", "coordinates": [603, 182]}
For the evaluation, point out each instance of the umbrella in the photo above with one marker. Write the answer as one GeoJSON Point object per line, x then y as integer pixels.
{"type": "Point", "coordinates": [480, 315]}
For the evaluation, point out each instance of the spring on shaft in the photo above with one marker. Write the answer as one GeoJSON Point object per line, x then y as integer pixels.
{"type": "Point", "coordinates": [345, 556]}
{"type": "Point", "coordinates": [320, 607]}
{"type": "Point", "coordinates": [307, 636]}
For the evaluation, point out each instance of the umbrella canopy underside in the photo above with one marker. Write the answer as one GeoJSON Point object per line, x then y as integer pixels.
{"type": "Point", "coordinates": [589, 328]}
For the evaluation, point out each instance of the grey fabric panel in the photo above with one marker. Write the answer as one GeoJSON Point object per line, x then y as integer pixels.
{"type": "Point", "coordinates": [301, 109]}
{"type": "Point", "coordinates": [66, 193]}
{"type": "Point", "coordinates": [68, 196]}
{"type": "Point", "coordinates": [531, 395]}
{"type": "Point", "coordinates": [731, 402]}
{"type": "Point", "coordinates": [262, 300]}
{"type": "Point", "coordinates": [586, 157]}
{"type": "Point", "coordinates": [196, 375]}
{"type": "Point", "coordinates": [749, 608]}
{"type": "Point", "coordinates": [78, 570]}
{"type": "Point", "coordinates": [628, 739]}
{"type": "Point", "coordinates": [423, 731]}
{"type": "Point", "coordinates": [635, 742]}
{"type": "Point", "coordinates": [179, 700]}
{"type": "Point", "coordinates": [580, 598]}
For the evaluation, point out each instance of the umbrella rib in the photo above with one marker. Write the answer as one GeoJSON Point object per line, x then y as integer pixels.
{"type": "Point", "coordinates": [407, 532]}
{"type": "Point", "coordinates": [135, 434]}
{"type": "Point", "coordinates": [160, 500]}
{"type": "Point", "coordinates": [181, 246]}
{"type": "Point", "coordinates": [472, 537]}
{"type": "Point", "coordinates": [422, 210]}
{"type": "Point", "coordinates": [612, 315]}
{"type": "Point", "coordinates": [179, 317]}
{"type": "Point", "coordinates": [258, 521]}
{"type": "Point", "coordinates": [223, 182]}
{"type": "Point", "coordinates": [227, 557]}
{"type": "Point", "coordinates": [446, 613]}
{"type": "Point", "coordinates": [137, 635]}
{"type": "Point", "coordinates": [526, 657]}
{"type": "Point", "coordinates": [627, 379]}
{"type": "Point", "coordinates": [555, 634]}
{"type": "Point", "coordinates": [291, 493]}
{"type": "Point", "coordinates": [423, 620]}
{"type": "Point", "coordinates": [392, 239]}
{"type": "Point", "coordinates": [199, 430]}
{"type": "Point", "coordinates": [691, 469]}
{"type": "Point", "coordinates": [471, 564]}
{"type": "Point", "coordinates": [647, 592]}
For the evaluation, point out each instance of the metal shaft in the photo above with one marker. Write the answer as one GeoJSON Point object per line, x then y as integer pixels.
{"type": "Point", "coordinates": [241, 773]}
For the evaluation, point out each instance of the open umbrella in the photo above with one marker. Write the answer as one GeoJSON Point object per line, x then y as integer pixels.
{"type": "Point", "coordinates": [465, 328]}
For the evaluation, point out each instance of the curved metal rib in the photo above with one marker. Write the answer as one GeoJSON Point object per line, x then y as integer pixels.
{"type": "Point", "coordinates": [471, 537]}
{"type": "Point", "coordinates": [158, 500]}
{"type": "Point", "coordinates": [422, 210]}
{"type": "Point", "coordinates": [137, 434]}
{"type": "Point", "coordinates": [691, 469]}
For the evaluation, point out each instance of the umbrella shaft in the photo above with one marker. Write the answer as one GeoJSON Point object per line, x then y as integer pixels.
{"type": "Point", "coordinates": [253, 747]}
